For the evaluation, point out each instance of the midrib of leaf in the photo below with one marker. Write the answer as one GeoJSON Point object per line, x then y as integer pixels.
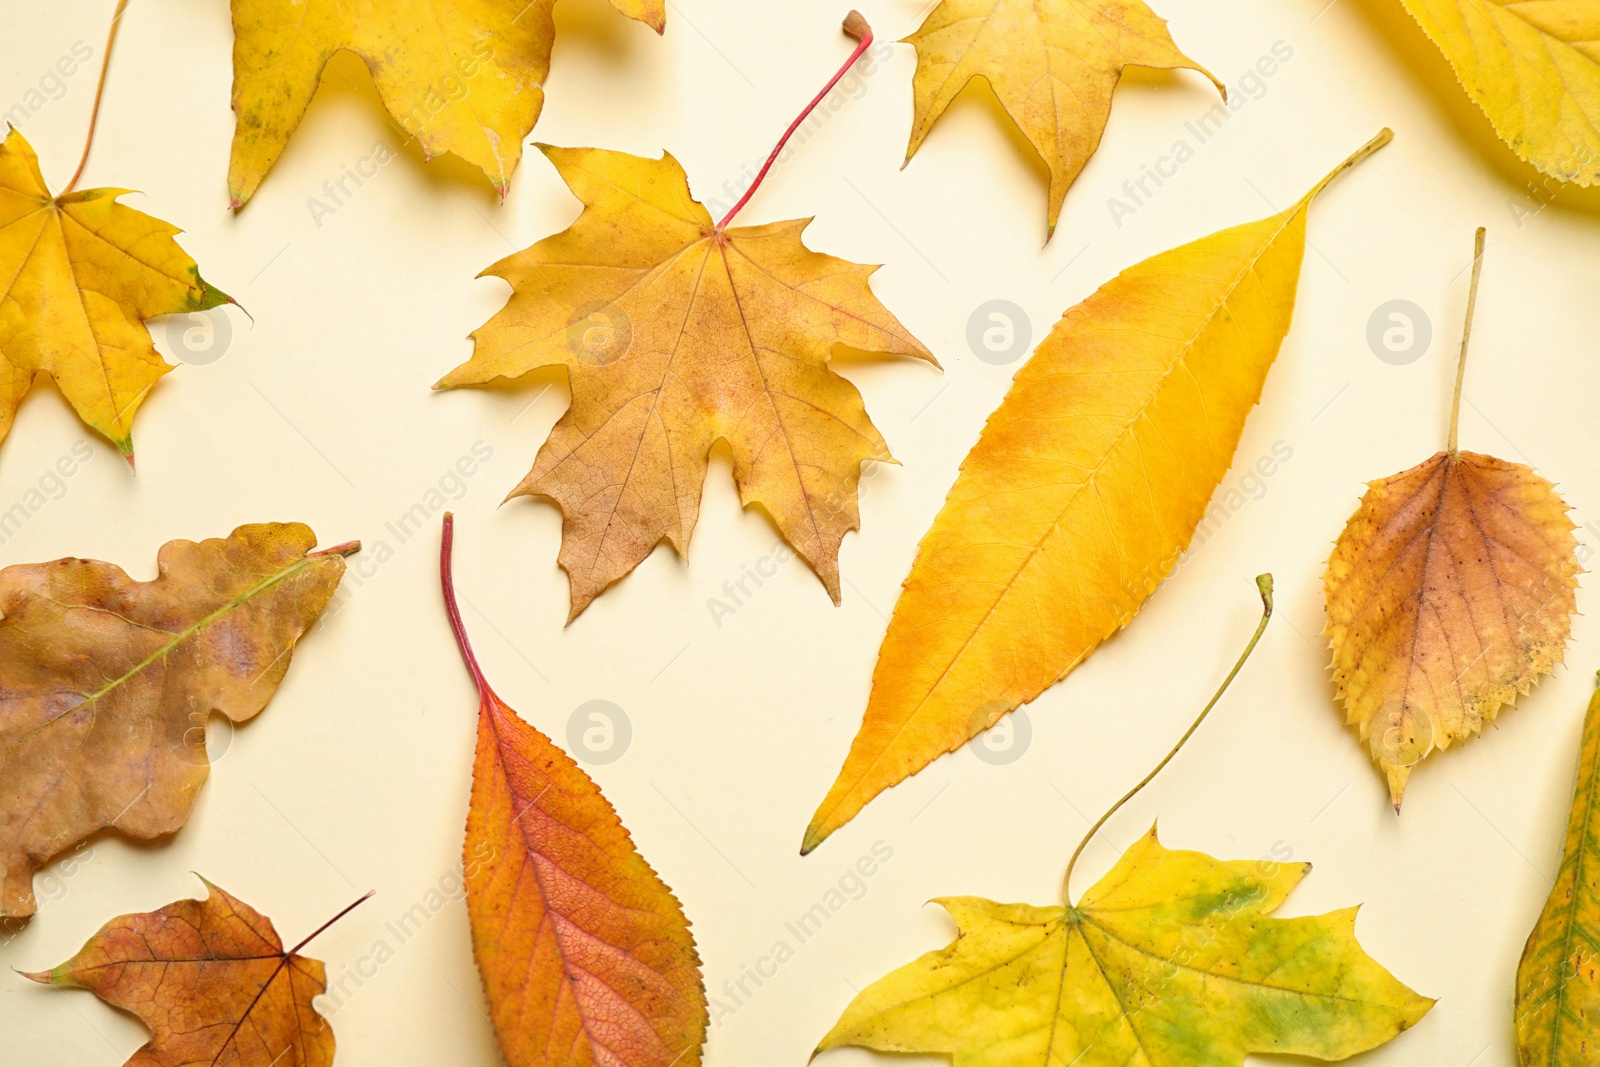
{"type": "Point", "coordinates": [1569, 915]}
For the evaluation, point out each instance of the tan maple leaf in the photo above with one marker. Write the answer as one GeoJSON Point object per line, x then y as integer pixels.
{"type": "Point", "coordinates": [676, 333]}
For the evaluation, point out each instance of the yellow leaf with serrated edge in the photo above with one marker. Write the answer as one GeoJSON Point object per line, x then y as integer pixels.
{"type": "Point", "coordinates": [461, 76]}
{"type": "Point", "coordinates": [1052, 63]}
{"type": "Point", "coordinates": [1558, 980]}
{"type": "Point", "coordinates": [1172, 960]}
{"type": "Point", "coordinates": [79, 275]}
{"type": "Point", "coordinates": [1534, 68]}
{"type": "Point", "coordinates": [1085, 487]}
{"type": "Point", "coordinates": [676, 333]}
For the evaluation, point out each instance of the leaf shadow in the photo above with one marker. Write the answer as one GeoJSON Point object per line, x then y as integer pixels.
{"type": "Point", "coordinates": [1412, 49]}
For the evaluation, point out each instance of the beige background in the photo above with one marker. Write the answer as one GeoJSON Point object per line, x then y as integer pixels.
{"type": "Point", "coordinates": [356, 777]}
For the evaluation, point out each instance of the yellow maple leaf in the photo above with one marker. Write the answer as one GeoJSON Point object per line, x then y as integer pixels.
{"type": "Point", "coordinates": [465, 76]}
{"type": "Point", "coordinates": [1172, 960]}
{"type": "Point", "coordinates": [676, 333]}
{"type": "Point", "coordinates": [1534, 69]}
{"type": "Point", "coordinates": [1052, 63]}
{"type": "Point", "coordinates": [1449, 593]}
{"type": "Point", "coordinates": [1558, 979]}
{"type": "Point", "coordinates": [1086, 485]}
{"type": "Point", "coordinates": [79, 275]}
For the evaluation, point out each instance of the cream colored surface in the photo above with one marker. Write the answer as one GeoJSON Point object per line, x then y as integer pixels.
{"type": "Point", "coordinates": [356, 776]}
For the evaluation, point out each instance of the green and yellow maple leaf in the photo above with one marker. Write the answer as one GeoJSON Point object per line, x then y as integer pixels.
{"type": "Point", "coordinates": [1172, 960]}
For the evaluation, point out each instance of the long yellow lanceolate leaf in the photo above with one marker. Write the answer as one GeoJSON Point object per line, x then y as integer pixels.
{"type": "Point", "coordinates": [79, 275]}
{"type": "Point", "coordinates": [1085, 487]}
{"type": "Point", "coordinates": [1052, 63]}
{"type": "Point", "coordinates": [1172, 960]}
{"type": "Point", "coordinates": [1558, 980]}
{"type": "Point", "coordinates": [460, 76]}
{"type": "Point", "coordinates": [1534, 68]}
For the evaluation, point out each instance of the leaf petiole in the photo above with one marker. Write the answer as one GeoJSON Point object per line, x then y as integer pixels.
{"type": "Point", "coordinates": [856, 26]}
{"type": "Point", "coordinates": [447, 582]}
{"type": "Point", "coordinates": [1264, 586]}
{"type": "Point", "coordinates": [346, 910]}
{"type": "Point", "coordinates": [99, 91]}
{"type": "Point", "coordinates": [1466, 334]}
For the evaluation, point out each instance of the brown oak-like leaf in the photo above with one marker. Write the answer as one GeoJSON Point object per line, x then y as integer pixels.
{"type": "Point", "coordinates": [1449, 593]}
{"type": "Point", "coordinates": [106, 683]}
{"type": "Point", "coordinates": [211, 980]}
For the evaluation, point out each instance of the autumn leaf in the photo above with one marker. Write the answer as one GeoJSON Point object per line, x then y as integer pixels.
{"type": "Point", "coordinates": [1449, 593]}
{"type": "Point", "coordinates": [1083, 490]}
{"type": "Point", "coordinates": [676, 332]}
{"type": "Point", "coordinates": [462, 76]}
{"type": "Point", "coordinates": [106, 683]}
{"type": "Point", "coordinates": [1558, 980]}
{"type": "Point", "coordinates": [1534, 70]}
{"type": "Point", "coordinates": [211, 980]}
{"type": "Point", "coordinates": [1052, 64]}
{"type": "Point", "coordinates": [1172, 960]}
{"type": "Point", "coordinates": [585, 954]}
{"type": "Point", "coordinates": [79, 275]}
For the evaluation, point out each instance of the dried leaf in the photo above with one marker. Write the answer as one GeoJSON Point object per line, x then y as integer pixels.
{"type": "Point", "coordinates": [211, 980]}
{"type": "Point", "coordinates": [79, 275]}
{"type": "Point", "coordinates": [106, 683]}
{"type": "Point", "coordinates": [1052, 63]}
{"type": "Point", "coordinates": [1558, 980]}
{"type": "Point", "coordinates": [585, 954]}
{"type": "Point", "coordinates": [1534, 69]}
{"type": "Point", "coordinates": [1449, 593]}
{"type": "Point", "coordinates": [464, 76]}
{"type": "Point", "coordinates": [675, 333]}
{"type": "Point", "coordinates": [1172, 960]}
{"type": "Point", "coordinates": [1085, 487]}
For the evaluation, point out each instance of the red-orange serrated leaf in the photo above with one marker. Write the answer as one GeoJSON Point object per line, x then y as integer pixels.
{"type": "Point", "coordinates": [585, 954]}
{"type": "Point", "coordinates": [211, 980]}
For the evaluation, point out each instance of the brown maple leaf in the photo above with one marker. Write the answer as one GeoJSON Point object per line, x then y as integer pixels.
{"type": "Point", "coordinates": [211, 980]}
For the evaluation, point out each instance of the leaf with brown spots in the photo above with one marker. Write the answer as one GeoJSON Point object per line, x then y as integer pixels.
{"type": "Point", "coordinates": [211, 980]}
{"type": "Point", "coordinates": [106, 683]}
{"type": "Point", "coordinates": [1450, 592]}
{"type": "Point", "coordinates": [676, 332]}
